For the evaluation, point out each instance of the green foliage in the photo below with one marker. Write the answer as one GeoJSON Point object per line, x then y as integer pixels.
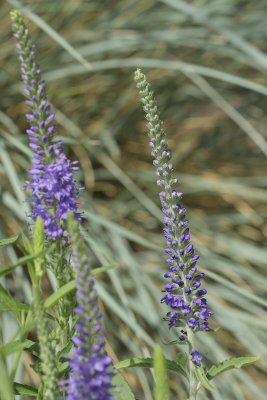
{"type": "Point", "coordinates": [202, 377]}
{"type": "Point", "coordinates": [15, 346]}
{"type": "Point", "coordinates": [21, 261]}
{"type": "Point", "coordinates": [173, 342]}
{"type": "Point", "coordinates": [70, 287]}
{"type": "Point", "coordinates": [8, 241]}
{"type": "Point", "coordinates": [59, 294]}
{"type": "Point", "coordinates": [25, 390]}
{"type": "Point", "coordinates": [148, 363]}
{"type": "Point", "coordinates": [7, 303]}
{"type": "Point", "coordinates": [236, 362]}
{"type": "Point", "coordinates": [6, 390]}
{"type": "Point", "coordinates": [38, 247]}
{"type": "Point", "coordinates": [162, 391]}
{"type": "Point", "coordinates": [122, 390]}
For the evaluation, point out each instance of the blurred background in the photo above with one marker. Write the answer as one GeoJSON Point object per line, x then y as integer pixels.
{"type": "Point", "coordinates": [207, 64]}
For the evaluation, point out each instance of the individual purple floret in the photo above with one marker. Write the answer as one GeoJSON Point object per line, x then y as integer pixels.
{"type": "Point", "coordinates": [91, 368]}
{"type": "Point", "coordinates": [52, 185]}
{"type": "Point", "coordinates": [183, 294]}
{"type": "Point", "coordinates": [196, 357]}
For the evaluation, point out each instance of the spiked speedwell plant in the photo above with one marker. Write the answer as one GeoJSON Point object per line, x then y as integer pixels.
{"type": "Point", "coordinates": [54, 194]}
{"type": "Point", "coordinates": [184, 296]}
{"type": "Point", "coordinates": [69, 355]}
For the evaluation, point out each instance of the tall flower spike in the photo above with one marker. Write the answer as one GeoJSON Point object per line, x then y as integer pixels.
{"type": "Point", "coordinates": [52, 185]}
{"type": "Point", "coordinates": [91, 368]}
{"type": "Point", "coordinates": [183, 292]}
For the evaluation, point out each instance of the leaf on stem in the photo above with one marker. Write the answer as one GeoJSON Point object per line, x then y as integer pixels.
{"type": "Point", "coordinates": [148, 363]}
{"type": "Point", "coordinates": [7, 241]}
{"type": "Point", "coordinates": [6, 391]}
{"type": "Point", "coordinates": [26, 390]}
{"type": "Point", "coordinates": [161, 379]}
{"type": "Point", "coordinates": [202, 377]}
{"type": "Point", "coordinates": [70, 286]}
{"type": "Point", "coordinates": [235, 362]}
{"type": "Point", "coordinates": [7, 303]}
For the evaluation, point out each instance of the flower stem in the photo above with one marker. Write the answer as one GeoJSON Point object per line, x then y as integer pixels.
{"type": "Point", "coordinates": [192, 375]}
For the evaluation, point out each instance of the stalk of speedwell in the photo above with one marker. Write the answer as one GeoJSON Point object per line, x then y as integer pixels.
{"type": "Point", "coordinates": [51, 184]}
{"type": "Point", "coordinates": [49, 388]}
{"type": "Point", "coordinates": [53, 192]}
{"type": "Point", "coordinates": [54, 195]}
{"type": "Point", "coordinates": [184, 296]}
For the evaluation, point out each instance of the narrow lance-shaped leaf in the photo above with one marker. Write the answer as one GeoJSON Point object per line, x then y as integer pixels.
{"type": "Point", "coordinates": [8, 241]}
{"type": "Point", "coordinates": [71, 286]}
{"type": "Point", "coordinates": [21, 261]}
{"type": "Point", "coordinates": [161, 379]}
{"type": "Point", "coordinates": [7, 303]}
{"type": "Point", "coordinates": [148, 363]}
{"type": "Point", "coordinates": [15, 346]}
{"type": "Point", "coordinates": [25, 390]}
{"type": "Point", "coordinates": [38, 246]}
{"type": "Point", "coordinates": [236, 362]}
{"type": "Point", "coordinates": [6, 391]}
{"type": "Point", "coordinates": [200, 373]}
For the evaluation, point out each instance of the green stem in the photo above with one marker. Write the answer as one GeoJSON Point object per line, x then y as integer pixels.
{"type": "Point", "coordinates": [193, 382]}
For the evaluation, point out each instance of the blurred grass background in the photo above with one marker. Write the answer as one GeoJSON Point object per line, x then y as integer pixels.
{"type": "Point", "coordinates": [207, 64]}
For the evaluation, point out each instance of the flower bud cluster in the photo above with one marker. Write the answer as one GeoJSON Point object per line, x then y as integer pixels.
{"type": "Point", "coordinates": [183, 292]}
{"type": "Point", "coordinates": [52, 185]}
{"type": "Point", "coordinates": [47, 351]}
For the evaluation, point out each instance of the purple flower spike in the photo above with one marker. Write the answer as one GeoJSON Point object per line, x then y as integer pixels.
{"type": "Point", "coordinates": [91, 368]}
{"type": "Point", "coordinates": [183, 292]}
{"type": "Point", "coordinates": [52, 185]}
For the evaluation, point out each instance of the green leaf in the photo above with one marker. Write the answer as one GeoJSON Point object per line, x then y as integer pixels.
{"type": "Point", "coordinates": [7, 303]}
{"type": "Point", "coordinates": [70, 286]}
{"type": "Point", "coordinates": [182, 359]}
{"type": "Point", "coordinates": [38, 246]}
{"type": "Point", "coordinates": [6, 242]}
{"type": "Point", "coordinates": [61, 292]}
{"type": "Point", "coordinates": [161, 379]}
{"type": "Point", "coordinates": [148, 363]}
{"type": "Point", "coordinates": [200, 373]}
{"type": "Point", "coordinates": [173, 342]}
{"type": "Point", "coordinates": [104, 268]}
{"type": "Point", "coordinates": [21, 261]}
{"type": "Point", "coordinates": [235, 362]}
{"type": "Point", "coordinates": [26, 390]}
{"type": "Point", "coordinates": [6, 390]}
{"type": "Point", "coordinates": [66, 349]}
{"type": "Point", "coordinates": [27, 324]}
{"type": "Point", "coordinates": [63, 368]}
{"type": "Point", "coordinates": [123, 391]}
{"type": "Point", "coordinates": [16, 345]}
